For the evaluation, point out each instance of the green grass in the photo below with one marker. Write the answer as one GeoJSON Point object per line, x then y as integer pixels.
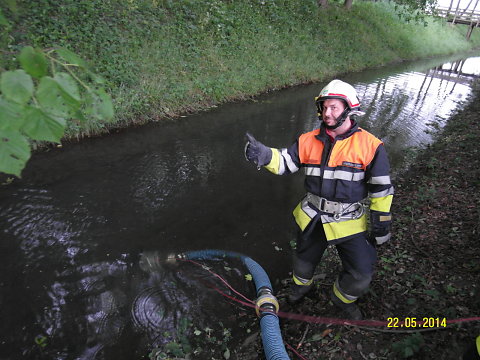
{"type": "Point", "coordinates": [165, 57]}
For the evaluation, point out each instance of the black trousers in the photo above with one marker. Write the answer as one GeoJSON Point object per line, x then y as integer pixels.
{"type": "Point", "coordinates": [357, 254]}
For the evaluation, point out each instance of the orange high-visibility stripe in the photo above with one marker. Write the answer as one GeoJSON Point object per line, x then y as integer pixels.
{"type": "Point", "coordinates": [309, 148]}
{"type": "Point", "coordinates": [359, 148]}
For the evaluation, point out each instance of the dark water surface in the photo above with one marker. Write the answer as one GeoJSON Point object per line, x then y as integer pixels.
{"type": "Point", "coordinates": [84, 233]}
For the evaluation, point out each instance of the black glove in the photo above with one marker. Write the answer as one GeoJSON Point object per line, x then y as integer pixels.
{"type": "Point", "coordinates": [256, 152]}
{"type": "Point", "coordinates": [380, 223]}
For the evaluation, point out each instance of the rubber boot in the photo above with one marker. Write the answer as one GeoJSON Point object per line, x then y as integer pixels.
{"type": "Point", "coordinates": [298, 292]}
{"type": "Point", "coordinates": [350, 311]}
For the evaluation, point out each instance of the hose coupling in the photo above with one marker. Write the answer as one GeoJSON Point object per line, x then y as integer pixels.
{"type": "Point", "coordinates": [172, 258]}
{"type": "Point", "coordinates": [266, 302]}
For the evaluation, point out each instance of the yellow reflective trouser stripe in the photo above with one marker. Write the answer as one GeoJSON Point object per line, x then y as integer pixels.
{"type": "Point", "coordinates": [341, 229]}
{"type": "Point", "coordinates": [301, 218]}
{"type": "Point", "coordinates": [382, 204]}
{"type": "Point", "coordinates": [478, 345]}
{"type": "Point", "coordinates": [274, 164]}
{"type": "Point", "coordinates": [340, 295]}
{"type": "Point", "coordinates": [302, 282]}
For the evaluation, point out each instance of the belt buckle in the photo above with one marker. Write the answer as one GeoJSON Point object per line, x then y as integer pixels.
{"type": "Point", "coordinates": [322, 204]}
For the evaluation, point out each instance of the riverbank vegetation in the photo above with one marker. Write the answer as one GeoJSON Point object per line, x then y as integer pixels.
{"type": "Point", "coordinates": [163, 58]}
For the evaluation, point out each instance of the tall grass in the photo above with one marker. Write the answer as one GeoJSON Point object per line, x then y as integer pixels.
{"type": "Point", "coordinates": [166, 57]}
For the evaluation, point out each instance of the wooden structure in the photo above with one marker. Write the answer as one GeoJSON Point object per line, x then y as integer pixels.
{"type": "Point", "coordinates": [467, 16]}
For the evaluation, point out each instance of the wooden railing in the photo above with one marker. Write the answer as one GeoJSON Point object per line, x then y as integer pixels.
{"type": "Point", "coordinates": [460, 16]}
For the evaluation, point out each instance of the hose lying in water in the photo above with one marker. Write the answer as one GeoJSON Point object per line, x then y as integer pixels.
{"type": "Point", "coordinates": [266, 304]}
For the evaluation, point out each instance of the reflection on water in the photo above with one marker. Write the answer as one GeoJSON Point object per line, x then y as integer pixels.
{"type": "Point", "coordinates": [80, 273]}
{"type": "Point", "coordinates": [404, 109]}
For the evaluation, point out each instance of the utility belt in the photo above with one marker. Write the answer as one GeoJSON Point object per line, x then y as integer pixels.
{"type": "Point", "coordinates": [339, 210]}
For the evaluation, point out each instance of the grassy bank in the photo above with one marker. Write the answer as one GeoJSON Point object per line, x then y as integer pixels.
{"type": "Point", "coordinates": [162, 58]}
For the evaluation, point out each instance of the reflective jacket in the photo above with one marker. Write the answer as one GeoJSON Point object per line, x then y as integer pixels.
{"type": "Point", "coordinates": [348, 170]}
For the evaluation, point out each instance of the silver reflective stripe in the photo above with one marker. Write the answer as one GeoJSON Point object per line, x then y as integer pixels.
{"type": "Point", "coordinates": [383, 193]}
{"type": "Point", "coordinates": [380, 180]}
{"type": "Point", "coordinates": [329, 174]}
{"type": "Point", "coordinates": [342, 175]}
{"type": "Point", "coordinates": [308, 210]}
{"type": "Point", "coordinates": [337, 174]}
{"type": "Point", "coordinates": [348, 297]}
{"type": "Point", "coordinates": [382, 239]}
{"type": "Point", "coordinates": [302, 280]}
{"type": "Point", "coordinates": [312, 171]}
{"type": "Point", "coordinates": [345, 175]}
{"type": "Point", "coordinates": [288, 160]}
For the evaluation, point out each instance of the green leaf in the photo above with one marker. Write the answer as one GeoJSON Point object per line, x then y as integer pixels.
{"type": "Point", "coordinates": [71, 58]}
{"type": "Point", "coordinates": [40, 126]}
{"type": "Point", "coordinates": [51, 99]}
{"type": "Point", "coordinates": [33, 62]}
{"type": "Point", "coordinates": [99, 105]}
{"type": "Point", "coordinates": [17, 86]}
{"type": "Point", "coordinates": [11, 115]}
{"type": "Point", "coordinates": [69, 87]}
{"type": "Point", "coordinates": [106, 106]}
{"type": "Point", "coordinates": [248, 277]}
{"type": "Point", "coordinates": [14, 152]}
{"type": "Point", "coordinates": [41, 340]}
{"type": "Point", "coordinates": [226, 354]}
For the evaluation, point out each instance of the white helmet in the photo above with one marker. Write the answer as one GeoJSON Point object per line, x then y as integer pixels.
{"type": "Point", "coordinates": [338, 89]}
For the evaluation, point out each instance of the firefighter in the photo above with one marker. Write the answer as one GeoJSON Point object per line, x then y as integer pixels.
{"type": "Point", "coordinates": [344, 165]}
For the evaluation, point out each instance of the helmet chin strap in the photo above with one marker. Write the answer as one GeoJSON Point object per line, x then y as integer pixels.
{"type": "Point", "coordinates": [339, 120]}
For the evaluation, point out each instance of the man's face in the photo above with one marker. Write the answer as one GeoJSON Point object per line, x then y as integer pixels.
{"type": "Point", "coordinates": [332, 109]}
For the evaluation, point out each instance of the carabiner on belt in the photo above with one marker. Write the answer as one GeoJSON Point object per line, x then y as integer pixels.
{"type": "Point", "coordinates": [358, 212]}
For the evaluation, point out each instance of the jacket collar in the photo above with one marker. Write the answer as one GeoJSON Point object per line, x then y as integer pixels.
{"type": "Point", "coordinates": [323, 136]}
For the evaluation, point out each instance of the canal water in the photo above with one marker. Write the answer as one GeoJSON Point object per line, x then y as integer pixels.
{"type": "Point", "coordinates": [85, 233]}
